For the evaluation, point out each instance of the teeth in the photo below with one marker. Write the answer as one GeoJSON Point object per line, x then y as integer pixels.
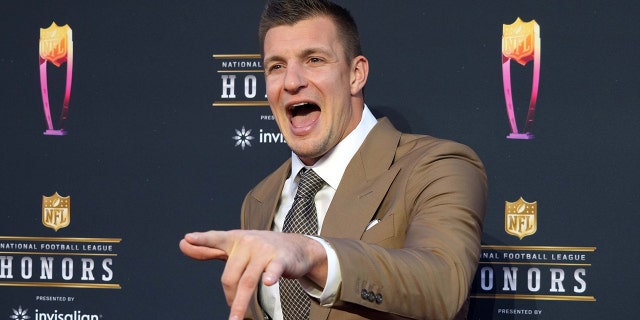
{"type": "Point", "coordinates": [299, 104]}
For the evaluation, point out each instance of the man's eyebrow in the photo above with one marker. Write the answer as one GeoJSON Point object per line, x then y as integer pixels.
{"type": "Point", "coordinates": [304, 53]}
{"type": "Point", "coordinates": [271, 59]}
{"type": "Point", "coordinates": [315, 50]}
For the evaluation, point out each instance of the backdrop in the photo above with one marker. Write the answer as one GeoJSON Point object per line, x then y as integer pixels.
{"type": "Point", "coordinates": [167, 129]}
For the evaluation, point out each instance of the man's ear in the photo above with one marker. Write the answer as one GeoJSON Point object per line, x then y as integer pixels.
{"type": "Point", "coordinates": [359, 74]}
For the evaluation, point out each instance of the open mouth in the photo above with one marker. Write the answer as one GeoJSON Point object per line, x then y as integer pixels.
{"type": "Point", "coordinates": [304, 114]}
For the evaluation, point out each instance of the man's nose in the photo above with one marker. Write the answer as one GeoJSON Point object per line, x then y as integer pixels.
{"type": "Point", "coordinates": [294, 79]}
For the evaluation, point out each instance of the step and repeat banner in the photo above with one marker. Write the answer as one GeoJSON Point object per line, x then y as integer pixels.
{"type": "Point", "coordinates": [126, 124]}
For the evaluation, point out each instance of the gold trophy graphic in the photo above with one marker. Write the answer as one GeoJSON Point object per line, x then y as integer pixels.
{"type": "Point", "coordinates": [521, 43]}
{"type": "Point", "coordinates": [56, 47]}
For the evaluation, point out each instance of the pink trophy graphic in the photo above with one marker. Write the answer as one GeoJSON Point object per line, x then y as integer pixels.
{"type": "Point", "coordinates": [520, 42]}
{"type": "Point", "coordinates": [56, 46]}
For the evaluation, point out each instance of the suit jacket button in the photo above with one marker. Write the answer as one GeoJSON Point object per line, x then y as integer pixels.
{"type": "Point", "coordinates": [378, 298]}
{"type": "Point", "coordinates": [372, 296]}
{"type": "Point", "coordinates": [364, 294]}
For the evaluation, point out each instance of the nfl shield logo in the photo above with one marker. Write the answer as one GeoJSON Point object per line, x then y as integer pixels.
{"type": "Point", "coordinates": [54, 43]}
{"type": "Point", "coordinates": [56, 211]}
{"type": "Point", "coordinates": [518, 40]}
{"type": "Point", "coordinates": [520, 218]}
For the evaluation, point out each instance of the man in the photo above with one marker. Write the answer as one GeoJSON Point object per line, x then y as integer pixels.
{"type": "Point", "coordinates": [399, 216]}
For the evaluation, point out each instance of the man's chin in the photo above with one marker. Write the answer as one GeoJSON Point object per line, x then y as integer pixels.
{"type": "Point", "coordinates": [308, 152]}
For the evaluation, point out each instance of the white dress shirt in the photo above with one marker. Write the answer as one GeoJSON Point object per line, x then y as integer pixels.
{"type": "Point", "coordinates": [330, 168]}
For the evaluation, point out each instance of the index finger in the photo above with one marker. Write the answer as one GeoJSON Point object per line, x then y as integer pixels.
{"type": "Point", "coordinates": [247, 286]}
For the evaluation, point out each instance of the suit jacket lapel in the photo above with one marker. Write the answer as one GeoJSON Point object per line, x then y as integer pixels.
{"type": "Point", "coordinates": [364, 184]}
{"type": "Point", "coordinates": [362, 188]}
{"type": "Point", "coordinates": [263, 201]}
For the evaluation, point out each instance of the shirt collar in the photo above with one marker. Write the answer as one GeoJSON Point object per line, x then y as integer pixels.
{"type": "Point", "coordinates": [332, 165]}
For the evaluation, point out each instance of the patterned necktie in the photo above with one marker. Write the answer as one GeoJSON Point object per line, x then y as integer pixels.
{"type": "Point", "coordinates": [301, 218]}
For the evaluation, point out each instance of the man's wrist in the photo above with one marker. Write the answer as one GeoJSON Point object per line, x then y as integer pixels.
{"type": "Point", "coordinates": [325, 291]}
{"type": "Point", "coordinates": [318, 253]}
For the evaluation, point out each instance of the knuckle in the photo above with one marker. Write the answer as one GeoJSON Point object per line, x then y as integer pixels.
{"type": "Point", "coordinates": [227, 282]}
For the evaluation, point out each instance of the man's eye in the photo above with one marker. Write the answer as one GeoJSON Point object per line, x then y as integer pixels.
{"type": "Point", "coordinates": [275, 67]}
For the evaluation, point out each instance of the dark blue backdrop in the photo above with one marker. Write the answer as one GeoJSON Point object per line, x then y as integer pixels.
{"type": "Point", "coordinates": [148, 158]}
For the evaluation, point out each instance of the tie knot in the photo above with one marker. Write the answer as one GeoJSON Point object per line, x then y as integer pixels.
{"type": "Point", "coordinates": [310, 183]}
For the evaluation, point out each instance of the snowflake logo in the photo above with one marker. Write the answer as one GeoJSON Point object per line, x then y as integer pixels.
{"type": "Point", "coordinates": [20, 314]}
{"type": "Point", "coordinates": [243, 138]}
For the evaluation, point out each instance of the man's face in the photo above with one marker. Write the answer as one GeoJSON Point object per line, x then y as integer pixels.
{"type": "Point", "coordinates": [313, 90]}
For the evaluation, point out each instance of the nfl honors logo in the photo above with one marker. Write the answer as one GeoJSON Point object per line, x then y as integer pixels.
{"type": "Point", "coordinates": [56, 211]}
{"type": "Point", "coordinates": [521, 218]}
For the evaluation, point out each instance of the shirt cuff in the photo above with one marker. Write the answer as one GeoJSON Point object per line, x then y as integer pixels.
{"type": "Point", "coordinates": [326, 296]}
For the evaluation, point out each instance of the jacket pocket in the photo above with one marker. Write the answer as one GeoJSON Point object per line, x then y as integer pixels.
{"type": "Point", "coordinates": [380, 231]}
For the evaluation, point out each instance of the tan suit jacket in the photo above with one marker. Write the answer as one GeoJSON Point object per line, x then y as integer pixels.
{"type": "Point", "coordinates": [419, 261]}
